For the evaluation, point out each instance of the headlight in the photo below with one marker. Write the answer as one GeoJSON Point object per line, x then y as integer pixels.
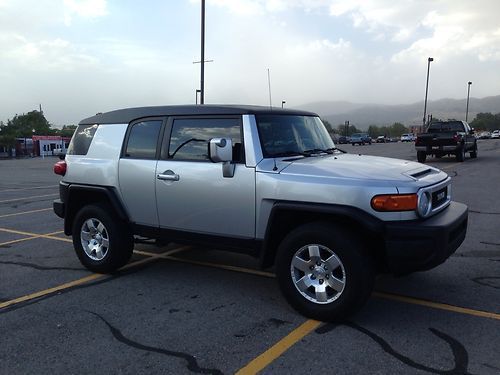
{"type": "Point", "coordinates": [424, 204]}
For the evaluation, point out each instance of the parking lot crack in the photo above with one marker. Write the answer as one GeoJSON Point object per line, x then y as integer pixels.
{"type": "Point", "coordinates": [491, 281]}
{"type": "Point", "coordinates": [41, 268]}
{"type": "Point", "coordinates": [460, 355]}
{"type": "Point", "coordinates": [192, 363]}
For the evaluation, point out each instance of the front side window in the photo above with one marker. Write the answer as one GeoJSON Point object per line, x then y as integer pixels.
{"type": "Point", "coordinates": [190, 137]}
{"type": "Point", "coordinates": [82, 138]}
{"type": "Point", "coordinates": [143, 140]}
{"type": "Point", "coordinates": [292, 135]}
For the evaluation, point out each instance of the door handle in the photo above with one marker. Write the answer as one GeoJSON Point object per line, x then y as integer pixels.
{"type": "Point", "coordinates": [168, 176]}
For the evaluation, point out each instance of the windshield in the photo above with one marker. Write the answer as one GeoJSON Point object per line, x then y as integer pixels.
{"type": "Point", "coordinates": [292, 135]}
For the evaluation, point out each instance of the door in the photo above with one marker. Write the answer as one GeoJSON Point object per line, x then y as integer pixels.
{"type": "Point", "coordinates": [136, 171]}
{"type": "Point", "coordinates": [192, 194]}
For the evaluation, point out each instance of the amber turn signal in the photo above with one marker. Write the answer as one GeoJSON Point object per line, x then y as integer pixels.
{"type": "Point", "coordinates": [394, 202]}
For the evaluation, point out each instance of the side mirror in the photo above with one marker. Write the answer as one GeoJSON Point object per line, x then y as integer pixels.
{"type": "Point", "coordinates": [220, 149]}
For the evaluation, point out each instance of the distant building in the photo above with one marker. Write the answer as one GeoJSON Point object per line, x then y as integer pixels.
{"type": "Point", "coordinates": [47, 145]}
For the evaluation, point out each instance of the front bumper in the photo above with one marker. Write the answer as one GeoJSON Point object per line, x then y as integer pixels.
{"type": "Point", "coordinates": [422, 245]}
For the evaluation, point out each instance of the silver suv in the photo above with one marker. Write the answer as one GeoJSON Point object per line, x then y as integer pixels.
{"type": "Point", "coordinates": [269, 182]}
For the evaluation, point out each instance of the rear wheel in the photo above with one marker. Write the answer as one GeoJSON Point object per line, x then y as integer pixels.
{"type": "Point", "coordinates": [421, 156]}
{"type": "Point", "coordinates": [460, 155]}
{"type": "Point", "coordinates": [473, 153]}
{"type": "Point", "coordinates": [102, 242]}
{"type": "Point", "coordinates": [323, 271]}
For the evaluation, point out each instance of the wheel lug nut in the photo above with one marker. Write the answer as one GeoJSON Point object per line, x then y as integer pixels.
{"type": "Point", "coordinates": [321, 281]}
{"type": "Point", "coordinates": [326, 268]}
{"type": "Point", "coordinates": [327, 276]}
{"type": "Point", "coordinates": [311, 268]}
{"type": "Point", "coordinates": [318, 263]}
{"type": "Point", "coordinates": [313, 277]}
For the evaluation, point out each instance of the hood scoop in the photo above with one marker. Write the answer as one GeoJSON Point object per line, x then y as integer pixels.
{"type": "Point", "coordinates": [420, 173]}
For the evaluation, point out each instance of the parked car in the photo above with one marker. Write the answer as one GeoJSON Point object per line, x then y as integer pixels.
{"type": "Point", "coordinates": [360, 139]}
{"type": "Point", "coordinates": [381, 139]}
{"type": "Point", "coordinates": [483, 135]}
{"type": "Point", "coordinates": [273, 186]}
{"type": "Point", "coordinates": [342, 139]}
{"type": "Point", "coordinates": [447, 138]}
{"type": "Point", "coordinates": [407, 137]}
{"type": "Point", "coordinates": [495, 134]}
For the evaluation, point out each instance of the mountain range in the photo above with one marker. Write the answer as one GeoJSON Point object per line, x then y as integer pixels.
{"type": "Point", "coordinates": [363, 115]}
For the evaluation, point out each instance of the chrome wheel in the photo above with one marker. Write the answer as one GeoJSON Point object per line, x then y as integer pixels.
{"type": "Point", "coordinates": [95, 239]}
{"type": "Point", "coordinates": [318, 274]}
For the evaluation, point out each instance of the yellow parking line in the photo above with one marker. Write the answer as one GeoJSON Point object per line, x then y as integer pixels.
{"type": "Point", "coordinates": [410, 300]}
{"type": "Point", "coordinates": [25, 212]}
{"type": "Point", "coordinates": [213, 265]}
{"type": "Point", "coordinates": [275, 351]}
{"type": "Point", "coordinates": [437, 305]}
{"type": "Point", "coordinates": [33, 196]}
{"type": "Point", "coordinates": [32, 236]}
{"type": "Point", "coordinates": [81, 281]}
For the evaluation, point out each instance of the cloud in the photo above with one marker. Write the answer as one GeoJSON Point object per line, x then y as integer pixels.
{"type": "Point", "coordinates": [84, 8]}
{"type": "Point", "coordinates": [43, 55]}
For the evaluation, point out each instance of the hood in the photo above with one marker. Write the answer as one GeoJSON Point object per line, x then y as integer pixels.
{"type": "Point", "coordinates": [361, 167]}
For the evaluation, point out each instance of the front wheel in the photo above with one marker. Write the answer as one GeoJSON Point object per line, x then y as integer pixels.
{"type": "Point", "coordinates": [102, 242]}
{"type": "Point", "coordinates": [323, 271]}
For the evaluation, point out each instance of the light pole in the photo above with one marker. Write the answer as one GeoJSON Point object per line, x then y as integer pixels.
{"type": "Point", "coordinates": [202, 73]}
{"type": "Point", "coordinates": [468, 93]}
{"type": "Point", "coordinates": [282, 103]}
{"type": "Point", "coordinates": [426, 89]}
{"type": "Point", "coordinates": [196, 96]}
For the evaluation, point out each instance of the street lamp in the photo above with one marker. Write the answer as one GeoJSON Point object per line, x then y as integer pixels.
{"type": "Point", "coordinates": [426, 89]}
{"type": "Point", "coordinates": [282, 103]}
{"type": "Point", "coordinates": [468, 93]}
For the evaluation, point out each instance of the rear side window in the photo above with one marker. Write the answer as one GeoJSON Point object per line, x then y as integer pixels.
{"type": "Point", "coordinates": [446, 126]}
{"type": "Point", "coordinates": [190, 137]}
{"type": "Point", "coordinates": [82, 139]}
{"type": "Point", "coordinates": [143, 140]}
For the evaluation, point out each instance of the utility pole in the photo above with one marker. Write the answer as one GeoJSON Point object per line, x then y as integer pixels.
{"type": "Point", "coordinates": [202, 73]}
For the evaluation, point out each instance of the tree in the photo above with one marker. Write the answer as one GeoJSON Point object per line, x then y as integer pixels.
{"type": "Point", "coordinates": [26, 125]}
{"type": "Point", "coordinates": [67, 130]}
{"type": "Point", "coordinates": [486, 121]}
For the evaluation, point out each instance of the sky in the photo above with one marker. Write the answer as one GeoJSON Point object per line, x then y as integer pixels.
{"type": "Point", "coordinates": [80, 57]}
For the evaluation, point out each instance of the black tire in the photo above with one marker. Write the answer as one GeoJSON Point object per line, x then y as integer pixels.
{"type": "Point", "coordinates": [473, 153]}
{"type": "Point", "coordinates": [353, 144]}
{"type": "Point", "coordinates": [421, 156]}
{"type": "Point", "coordinates": [351, 272]}
{"type": "Point", "coordinates": [110, 242]}
{"type": "Point", "coordinates": [460, 155]}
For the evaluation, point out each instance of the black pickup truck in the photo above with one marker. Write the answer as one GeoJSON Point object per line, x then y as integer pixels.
{"type": "Point", "coordinates": [446, 138]}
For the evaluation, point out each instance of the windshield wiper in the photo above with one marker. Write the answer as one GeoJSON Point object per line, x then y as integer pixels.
{"type": "Point", "coordinates": [289, 153]}
{"type": "Point", "coordinates": [322, 151]}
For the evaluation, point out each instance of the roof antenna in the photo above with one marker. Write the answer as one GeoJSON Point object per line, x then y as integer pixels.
{"type": "Point", "coordinates": [269, 84]}
{"type": "Point", "coordinates": [275, 168]}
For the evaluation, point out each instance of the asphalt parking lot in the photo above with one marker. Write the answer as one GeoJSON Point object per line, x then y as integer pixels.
{"type": "Point", "coordinates": [178, 309]}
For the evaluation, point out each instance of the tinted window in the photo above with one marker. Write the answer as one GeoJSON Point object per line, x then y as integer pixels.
{"type": "Point", "coordinates": [446, 126]}
{"type": "Point", "coordinates": [142, 140]}
{"type": "Point", "coordinates": [81, 140]}
{"type": "Point", "coordinates": [190, 137]}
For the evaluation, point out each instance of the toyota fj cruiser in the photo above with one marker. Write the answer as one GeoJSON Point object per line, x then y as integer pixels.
{"type": "Point", "coordinates": [266, 181]}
